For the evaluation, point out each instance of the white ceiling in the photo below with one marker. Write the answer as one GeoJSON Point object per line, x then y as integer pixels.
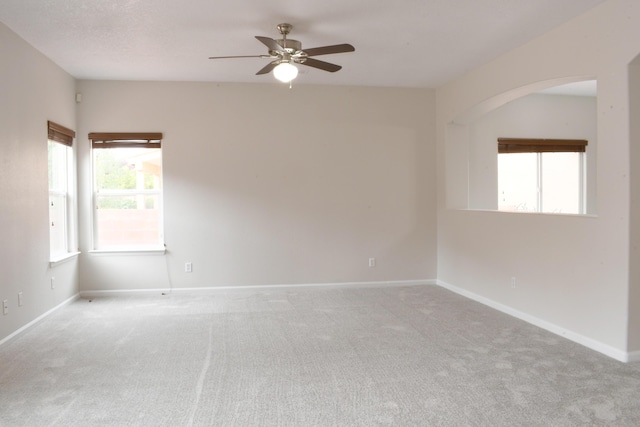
{"type": "Point", "coordinates": [401, 43]}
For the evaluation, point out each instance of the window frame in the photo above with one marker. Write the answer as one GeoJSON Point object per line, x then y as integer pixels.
{"type": "Point", "coordinates": [107, 140]}
{"type": "Point", "coordinates": [539, 146]}
{"type": "Point", "coordinates": [58, 134]}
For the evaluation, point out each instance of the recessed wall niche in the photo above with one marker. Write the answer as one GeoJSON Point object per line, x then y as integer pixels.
{"type": "Point", "coordinates": [559, 109]}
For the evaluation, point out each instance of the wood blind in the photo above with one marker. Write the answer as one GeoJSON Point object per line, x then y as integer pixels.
{"type": "Point", "coordinates": [125, 139]}
{"type": "Point", "coordinates": [60, 133]}
{"type": "Point", "coordinates": [531, 145]}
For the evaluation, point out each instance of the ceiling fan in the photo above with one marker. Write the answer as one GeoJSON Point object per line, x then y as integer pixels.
{"type": "Point", "coordinates": [285, 52]}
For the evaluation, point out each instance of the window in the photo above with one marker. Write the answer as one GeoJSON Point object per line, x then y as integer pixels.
{"type": "Point", "coordinates": [541, 175]}
{"type": "Point", "coordinates": [127, 191]}
{"type": "Point", "coordinates": [61, 192]}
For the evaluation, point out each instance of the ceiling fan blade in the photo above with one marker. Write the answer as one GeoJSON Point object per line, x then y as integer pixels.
{"type": "Point", "coordinates": [240, 56]}
{"type": "Point", "coordinates": [326, 66]}
{"type": "Point", "coordinates": [326, 50]}
{"type": "Point", "coordinates": [267, 68]}
{"type": "Point", "coordinates": [270, 43]}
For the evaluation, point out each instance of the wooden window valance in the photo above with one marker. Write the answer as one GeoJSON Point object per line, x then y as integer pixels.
{"type": "Point", "coordinates": [532, 145]}
{"type": "Point", "coordinates": [61, 134]}
{"type": "Point", "coordinates": [125, 139]}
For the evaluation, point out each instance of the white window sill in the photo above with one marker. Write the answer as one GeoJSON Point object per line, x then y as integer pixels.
{"type": "Point", "coordinates": [144, 250]}
{"type": "Point", "coordinates": [54, 261]}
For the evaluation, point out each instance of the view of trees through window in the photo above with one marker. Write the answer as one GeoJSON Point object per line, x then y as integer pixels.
{"type": "Point", "coordinates": [116, 170]}
{"type": "Point", "coordinates": [128, 191]}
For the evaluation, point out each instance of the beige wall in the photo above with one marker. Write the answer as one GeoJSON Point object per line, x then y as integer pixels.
{"type": "Point", "coordinates": [572, 272]}
{"type": "Point", "coordinates": [32, 91]}
{"type": "Point", "coordinates": [267, 185]}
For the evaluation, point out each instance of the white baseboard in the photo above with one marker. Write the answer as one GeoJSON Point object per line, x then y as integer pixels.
{"type": "Point", "coordinates": [376, 284]}
{"type": "Point", "coordinates": [39, 318]}
{"type": "Point", "coordinates": [633, 356]}
{"type": "Point", "coordinates": [598, 346]}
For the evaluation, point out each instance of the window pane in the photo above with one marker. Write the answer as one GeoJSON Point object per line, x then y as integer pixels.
{"type": "Point", "coordinates": [131, 220]}
{"type": "Point", "coordinates": [128, 189]}
{"type": "Point", "coordinates": [518, 182]}
{"type": "Point", "coordinates": [561, 182]}
{"type": "Point", "coordinates": [60, 163]}
{"type": "Point", "coordinates": [57, 224]}
{"type": "Point", "coordinates": [58, 172]}
{"type": "Point", "coordinates": [128, 168]}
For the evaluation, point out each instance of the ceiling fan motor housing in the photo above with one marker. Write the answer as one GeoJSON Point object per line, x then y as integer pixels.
{"type": "Point", "coordinates": [290, 45]}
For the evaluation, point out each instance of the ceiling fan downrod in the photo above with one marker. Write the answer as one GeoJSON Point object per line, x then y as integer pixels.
{"type": "Point", "coordinates": [288, 45]}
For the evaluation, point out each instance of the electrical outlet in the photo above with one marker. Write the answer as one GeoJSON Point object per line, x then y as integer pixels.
{"type": "Point", "coordinates": [20, 300]}
{"type": "Point", "coordinates": [5, 307]}
{"type": "Point", "coordinates": [513, 282]}
{"type": "Point", "coordinates": [53, 283]}
{"type": "Point", "coordinates": [372, 262]}
{"type": "Point", "coordinates": [188, 267]}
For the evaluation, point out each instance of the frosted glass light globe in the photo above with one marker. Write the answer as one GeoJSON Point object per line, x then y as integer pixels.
{"type": "Point", "coordinates": [285, 72]}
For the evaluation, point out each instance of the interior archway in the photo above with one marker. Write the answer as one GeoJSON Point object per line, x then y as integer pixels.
{"type": "Point", "coordinates": [559, 108]}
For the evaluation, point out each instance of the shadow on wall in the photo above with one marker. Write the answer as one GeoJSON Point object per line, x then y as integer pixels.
{"type": "Point", "coordinates": [634, 254]}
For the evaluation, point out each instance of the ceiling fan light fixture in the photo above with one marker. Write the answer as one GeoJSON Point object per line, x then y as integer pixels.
{"type": "Point", "coordinates": [285, 72]}
{"type": "Point", "coordinates": [284, 55]}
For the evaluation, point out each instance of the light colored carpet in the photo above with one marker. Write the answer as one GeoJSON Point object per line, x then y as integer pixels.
{"type": "Point", "coordinates": [403, 356]}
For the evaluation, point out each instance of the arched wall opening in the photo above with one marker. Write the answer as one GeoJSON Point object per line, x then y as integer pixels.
{"type": "Point", "coordinates": [564, 108]}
